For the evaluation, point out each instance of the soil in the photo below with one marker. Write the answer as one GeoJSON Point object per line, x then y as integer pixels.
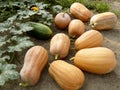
{"type": "Point", "coordinates": [109, 81]}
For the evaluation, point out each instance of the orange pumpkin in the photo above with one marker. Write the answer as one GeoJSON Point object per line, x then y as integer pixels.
{"type": "Point", "coordinates": [59, 45]}
{"type": "Point", "coordinates": [91, 38]}
{"type": "Point", "coordinates": [68, 76]}
{"type": "Point", "coordinates": [62, 20]}
{"type": "Point", "coordinates": [98, 60]}
{"type": "Point", "coordinates": [79, 11]}
{"type": "Point", "coordinates": [76, 28]}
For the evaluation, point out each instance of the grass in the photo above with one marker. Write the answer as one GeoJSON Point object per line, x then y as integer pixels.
{"type": "Point", "coordinates": [117, 12]}
{"type": "Point", "coordinates": [98, 6]}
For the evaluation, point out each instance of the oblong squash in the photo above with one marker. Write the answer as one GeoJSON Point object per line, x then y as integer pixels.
{"type": "Point", "coordinates": [91, 38]}
{"type": "Point", "coordinates": [59, 45]}
{"type": "Point", "coordinates": [98, 60]}
{"type": "Point", "coordinates": [66, 75]}
{"type": "Point", "coordinates": [103, 21]}
{"type": "Point", "coordinates": [34, 62]}
{"type": "Point", "coordinates": [79, 11]}
{"type": "Point", "coordinates": [76, 28]}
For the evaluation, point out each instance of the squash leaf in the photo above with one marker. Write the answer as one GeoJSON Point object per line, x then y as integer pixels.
{"type": "Point", "coordinates": [3, 58]}
{"type": "Point", "coordinates": [7, 72]}
{"type": "Point", "coordinates": [21, 43]}
{"type": "Point", "coordinates": [20, 28]}
{"type": "Point", "coordinates": [2, 40]}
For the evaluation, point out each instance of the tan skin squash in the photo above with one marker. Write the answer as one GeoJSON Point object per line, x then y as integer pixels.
{"type": "Point", "coordinates": [103, 21]}
{"type": "Point", "coordinates": [88, 39]}
{"type": "Point", "coordinates": [62, 20]}
{"type": "Point", "coordinates": [34, 62]}
{"type": "Point", "coordinates": [79, 11]}
{"type": "Point", "coordinates": [66, 75]}
{"type": "Point", "coordinates": [59, 45]}
{"type": "Point", "coordinates": [76, 28]}
{"type": "Point", "coordinates": [98, 60]}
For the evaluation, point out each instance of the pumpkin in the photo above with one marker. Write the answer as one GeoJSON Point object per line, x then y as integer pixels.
{"type": "Point", "coordinates": [79, 11]}
{"type": "Point", "coordinates": [66, 75]}
{"type": "Point", "coordinates": [34, 62]}
{"type": "Point", "coordinates": [98, 60]}
{"type": "Point", "coordinates": [62, 20]}
{"type": "Point", "coordinates": [76, 28]}
{"type": "Point", "coordinates": [59, 45]}
{"type": "Point", "coordinates": [103, 21]}
{"type": "Point", "coordinates": [90, 38]}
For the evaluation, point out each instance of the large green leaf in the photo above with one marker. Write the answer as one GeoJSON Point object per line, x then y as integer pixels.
{"type": "Point", "coordinates": [7, 72]}
{"type": "Point", "coordinates": [21, 43]}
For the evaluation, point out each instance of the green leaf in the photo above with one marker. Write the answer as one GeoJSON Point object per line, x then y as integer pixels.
{"type": "Point", "coordinates": [41, 5]}
{"type": "Point", "coordinates": [2, 81]}
{"type": "Point", "coordinates": [3, 27]}
{"type": "Point", "coordinates": [4, 58]}
{"type": "Point", "coordinates": [20, 28]}
{"type": "Point", "coordinates": [2, 40]}
{"type": "Point", "coordinates": [21, 43]}
{"type": "Point", "coordinates": [12, 19]}
{"type": "Point", "coordinates": [7, 72]}
{"type": "Point", "coordinates": [12, 74]}
{"type": "Point", "coordinates": [57, 9]}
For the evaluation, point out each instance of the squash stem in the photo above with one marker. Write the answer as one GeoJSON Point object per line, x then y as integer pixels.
{"type": "Point", "coordinates": [56, 56]}
{"type": "Point", "coordinates": [25, 84]}
{"type": "Point", "coordinates": [73, 37]}
{"type": "Point", "coordinates": [92, 25]}
{"type": "Point", "coordinates": [63, 14]}
{"type": "Point", "coordinates": [71, 59]}
{"type": "Point", "coordinates": [72, 48]}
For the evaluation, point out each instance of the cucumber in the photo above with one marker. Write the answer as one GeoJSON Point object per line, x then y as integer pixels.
{"type": "Point", "coordinates": [40, 31]}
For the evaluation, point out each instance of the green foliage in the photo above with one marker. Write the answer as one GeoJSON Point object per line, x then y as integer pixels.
{"type": "Point", "coordinates": [42, 15]}
{"type": "Point", "coordinates": [102, 7]}
{"type": "Point", "coordinates": [57, 9]}
{"type": "Point", "coordinates": [7, 10]}
{"type": "Point", "coordinates": [12, 40]}
{"type": "Point", "coordinates": [117, 12]}
{"type": "Point", "coordinates": [98, 6]}
{"type": "Point", "coordinates": [24, 12]}
{"type": "Point", "coordinates": [7, 72]}
{"type": "Point", "coordinates": [65, 3]}
{"type": "Point", "coordinates": [11, 36]}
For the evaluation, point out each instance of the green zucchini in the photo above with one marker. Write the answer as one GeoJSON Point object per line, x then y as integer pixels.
{"type": "Point", "coordinates": [40, 31]}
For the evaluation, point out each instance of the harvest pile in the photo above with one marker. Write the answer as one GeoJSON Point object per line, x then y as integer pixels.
{"type": "Point", "coordinates": [90, 56]}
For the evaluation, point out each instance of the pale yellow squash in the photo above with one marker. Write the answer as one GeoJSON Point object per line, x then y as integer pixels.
{"type": "Point", "coordinates": [88, 39]}
{"type": "Point", "coordinates": [68, 76]}
{"type": "Point", "coordinates": [79, 11]}
{"type": "Point", "coordinates": [103, 21]}
{"type": "Point", "coordinates": [59, 45]}
{"type": "Point", "coordinates": [34, 62]}
{"type": "Point", "coordinates": [99, 60]}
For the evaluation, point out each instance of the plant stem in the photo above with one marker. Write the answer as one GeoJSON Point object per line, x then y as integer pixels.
{"type": "Point", "coordinates": [71, 59]}
{"type": "Point", "coordinates": [12, 58]}
{"type": "Point", "coordinates": [25, 84]}
{"type": "Point", "coordinates": [72, 48]}
{"type": "Point", "coordinates": [56, 56]}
